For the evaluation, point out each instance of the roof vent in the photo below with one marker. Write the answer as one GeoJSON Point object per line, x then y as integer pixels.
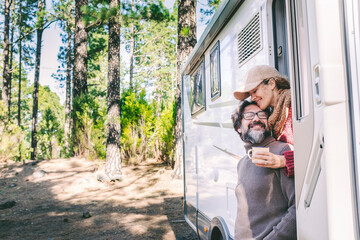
{"type": "Point", "coordinates": [249, 39]}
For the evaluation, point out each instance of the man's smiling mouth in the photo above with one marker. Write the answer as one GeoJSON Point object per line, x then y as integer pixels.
{"type": "Point", "coordinates": [257, 124]}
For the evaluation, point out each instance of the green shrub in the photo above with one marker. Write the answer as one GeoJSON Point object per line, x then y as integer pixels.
{"type": "Point", "coordinates": [90, 126]}
{"type": "Point", "coordinates": [136, 127]}
{"type": "Point", "coordinates": [13, 142]}
{"type": "Point", "coordinates": [49, 135]}
{"type": "Point", "coordinates": [165, 132]}
{"type": "Point", "coordinates": [147, 130]}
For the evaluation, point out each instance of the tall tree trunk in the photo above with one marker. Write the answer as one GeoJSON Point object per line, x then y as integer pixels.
{"type": "Point", "coordinates": [19, 92]}
{"type": "Point", "coordinates": [68, 95]}
{"type": "Point", "coordinates": [186, 19]}
{"type": "Point", "coordinates": [6, 77]}
{"type": "Point", "coordinates": [39, 32]}
{"type": "Point", "coordinates": [20, 69]}
{"type": "Point", "coordinates": [79, 69]}
{"type": "Point", "coordinates": [11, 62]}
{"type": "Point", "coordinates": [20, 65]}
{"type": "Point", "coordinates": [132, 45]}
{"type": "Point", "coordinates": [80, 52]}
{"type": "Point", "coordinates": [113, 160]}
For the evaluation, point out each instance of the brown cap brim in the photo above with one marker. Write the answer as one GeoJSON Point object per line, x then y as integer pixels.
{"type": "Point", "coordinates": [243, 92]}
{"type": "Point", "coordinates": [241, 95]}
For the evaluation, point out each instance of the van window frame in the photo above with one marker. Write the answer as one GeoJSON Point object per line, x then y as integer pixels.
{"type": "Point", "coordinates": [199, 70]}
{"type": "Point", "coordinates": [215, 51]}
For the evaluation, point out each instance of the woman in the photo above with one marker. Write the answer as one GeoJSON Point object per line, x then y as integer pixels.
{"type": "Point", "coordinates": [266, 87]}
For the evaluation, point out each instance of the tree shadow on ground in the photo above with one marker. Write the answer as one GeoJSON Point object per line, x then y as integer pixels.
{"type": "Point", "coordinates": [133, 209]}
{"type": "Point", "coordinates": [176, 218]}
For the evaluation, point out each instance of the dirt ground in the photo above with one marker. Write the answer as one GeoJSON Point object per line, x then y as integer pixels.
{"type": "Point", "coordinates": [62, 199]}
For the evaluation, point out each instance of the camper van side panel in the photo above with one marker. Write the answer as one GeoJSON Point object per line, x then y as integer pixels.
{"type": "Point", "coordinates": [190, 160]}
{"type": "Point", "coordinates": [210, 140]}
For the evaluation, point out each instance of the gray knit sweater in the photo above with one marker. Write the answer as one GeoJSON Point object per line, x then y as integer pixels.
{"type": "Point", "coordinates": [265, 199]}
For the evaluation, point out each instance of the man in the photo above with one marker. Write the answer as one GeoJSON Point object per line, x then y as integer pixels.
{"type": "Point", "coordinates": [265, 196]}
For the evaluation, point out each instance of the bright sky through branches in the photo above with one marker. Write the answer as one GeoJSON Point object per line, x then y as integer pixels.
{"type": "Point", "coordinates": [50, 48]}
{"type": "Point", "coordinates": [52, 42]}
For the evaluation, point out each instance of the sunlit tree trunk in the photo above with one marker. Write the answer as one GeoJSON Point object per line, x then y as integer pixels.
{"type": "Point", "coordinates": [113, 160]}
{"type": "Point", "coordinates": [19, 92]}
{"type": "Point", "coordinates": [11, 63]}
{"type": "Point", "coordinates": [5, 95]}
{"type": "Point", "coordinates": [80, 52]}
{"type": "Point", "coordinates": [186, 43]}
{"type": "Point", "coordinates": [39, 33]}
{"type": "Point", "coordinates": [20, 65]}
{"type": "Point", "coordinates": [68, 96]}
{"type": "Point", "coordinates": [132, 45]}
{"type": "Point", "coordinates": [79, 68]}
{"type": "Point", "coordinates": [20, 69]}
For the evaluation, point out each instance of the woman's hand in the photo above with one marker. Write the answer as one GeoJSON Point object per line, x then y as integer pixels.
{"type": "Point", "coordinates": [268, 159]}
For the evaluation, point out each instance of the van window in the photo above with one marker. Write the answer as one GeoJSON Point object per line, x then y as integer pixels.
{"type": "Point", "coordinates": [215, 82]}
{"type": "Point", "coordinates": [198, 89]}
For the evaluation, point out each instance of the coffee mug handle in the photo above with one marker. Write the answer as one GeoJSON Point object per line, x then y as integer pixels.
{"type": "Point", "coordinates": [249, 153]}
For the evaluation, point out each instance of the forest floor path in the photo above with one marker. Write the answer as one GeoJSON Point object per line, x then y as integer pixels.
{"type": "Point", "coordinates": [62, 199]}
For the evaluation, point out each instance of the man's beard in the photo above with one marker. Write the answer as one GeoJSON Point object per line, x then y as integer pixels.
{"type": "Point", "coordinates": [255, 136]}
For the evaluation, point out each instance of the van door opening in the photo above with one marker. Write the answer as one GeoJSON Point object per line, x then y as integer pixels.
{"type": "Point", "coordinates": [281, 54]}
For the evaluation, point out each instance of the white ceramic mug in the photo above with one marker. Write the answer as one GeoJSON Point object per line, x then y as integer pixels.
{"type": "Point", "coordinates": [256, 149]}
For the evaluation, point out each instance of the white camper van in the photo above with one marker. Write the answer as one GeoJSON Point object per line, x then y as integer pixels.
{"type": "Point", "coordinates": [316, 43]}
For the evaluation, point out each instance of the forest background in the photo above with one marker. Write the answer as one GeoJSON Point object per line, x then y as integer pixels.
{"type": "Point", "coordinates": [119, 107]}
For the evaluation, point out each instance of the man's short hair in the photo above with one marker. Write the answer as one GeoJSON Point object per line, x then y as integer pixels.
{"type": "Point", "coordinates": [236, 117]}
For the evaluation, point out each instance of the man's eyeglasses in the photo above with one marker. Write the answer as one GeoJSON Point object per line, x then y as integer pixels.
{"type": "Point", "coordinates": [251, 115]}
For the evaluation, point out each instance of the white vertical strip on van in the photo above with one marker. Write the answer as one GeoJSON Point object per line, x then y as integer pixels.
{"type": "Point", "coordinates": [337, 164]}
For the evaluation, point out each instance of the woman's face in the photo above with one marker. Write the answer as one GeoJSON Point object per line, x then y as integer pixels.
{"type": "Point", "coordinates": [263, 95]}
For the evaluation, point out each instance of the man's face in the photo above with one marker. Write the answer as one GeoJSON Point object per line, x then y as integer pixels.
{"type": "Point", "coordinates": [254, 130]}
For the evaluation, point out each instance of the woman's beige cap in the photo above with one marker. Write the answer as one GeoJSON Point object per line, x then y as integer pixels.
{"type": "Point", "coordinates": [253, 78]}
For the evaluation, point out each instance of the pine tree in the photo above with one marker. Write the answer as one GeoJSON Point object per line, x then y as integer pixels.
{"type": "Point", "coordinates": [80, 51]}
{"type": "Point", "coordinates": [39, 32]}
{"type": "Point", "coordinates": [113, 160]}
{"type": "Point", "coordinates": [186, 43]}
{"type": "Point", "coordinates": [208, 10]}
{"type": "Point", "coordinates": [25, 19]}
{"type": "Point", "coordinates": [67, 126]}
{"type": "Point", "coordinates": [132, 49]}
{"type": "Point", "coordinates": [64, 10]}
{"type": "Point", "coordinates": [80, 66]}
{"type": "Point", "coordinates": [11, 58]}
{"type": "Point", "coordinates": [20, 63]}
{"type": "Point", "coordinates": [6, 77]}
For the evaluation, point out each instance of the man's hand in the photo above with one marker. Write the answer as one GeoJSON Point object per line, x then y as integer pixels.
{"type": "Point", "coordinates": [268, 159]}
